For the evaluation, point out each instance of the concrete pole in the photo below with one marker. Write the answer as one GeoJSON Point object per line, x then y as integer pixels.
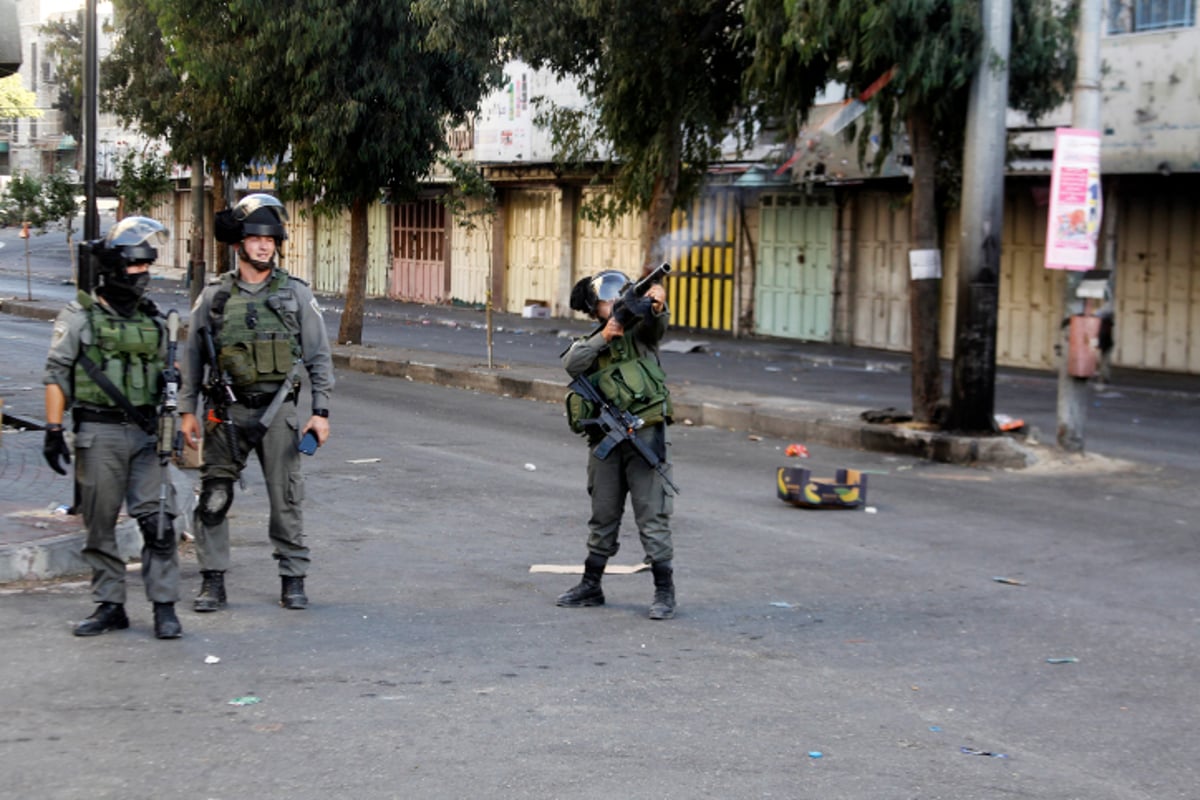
{"type": "Point", "coordinates": [1073, 392]}
{"type": "Point", "coordinates": [973, 387]}
{"type": "Point", "coordinates": [86, 277]}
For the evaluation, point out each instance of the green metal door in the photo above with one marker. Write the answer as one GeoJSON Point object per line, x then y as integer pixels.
{"type": "Point", "coordinates": [793, 293]}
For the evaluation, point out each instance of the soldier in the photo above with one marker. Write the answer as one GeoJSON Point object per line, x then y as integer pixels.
{"type": "Point", "coordinates": [266, 330]}
{"type": "Point", "coordinates": [626, 347]}
{"type": "Point", "coordinates": [105, 363]}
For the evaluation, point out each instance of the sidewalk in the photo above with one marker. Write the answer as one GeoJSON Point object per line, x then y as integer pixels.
{"type": "Point", "coordinates": [36, 542]}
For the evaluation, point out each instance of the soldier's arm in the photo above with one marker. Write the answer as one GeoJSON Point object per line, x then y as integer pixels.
{"type": "Point", "coordinates": [191, 359]}
{"type": "Point", "coordinates": [580, 357]}
{"type": "Point", "coordinates": [60, 361]}
{"type": "Point", "coordinates": [314, 344]}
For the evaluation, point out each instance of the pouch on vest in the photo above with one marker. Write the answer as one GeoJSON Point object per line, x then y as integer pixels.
{"type": "Point", "coordinates": [238, 361]}
{"type": "Point", "coordinates": [638, 386]}
{"type": "Point", "coordinates": [578, 409]}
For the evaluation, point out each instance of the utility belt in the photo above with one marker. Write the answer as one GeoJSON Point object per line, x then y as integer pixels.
{"type": "Point", "coordinates": [259, 399]}
{"type": "Point", "coordinates": [110, 416]}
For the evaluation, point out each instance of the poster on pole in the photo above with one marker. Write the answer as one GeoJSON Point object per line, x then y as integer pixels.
{"type": "Point", "coordinates": [1074, 225]}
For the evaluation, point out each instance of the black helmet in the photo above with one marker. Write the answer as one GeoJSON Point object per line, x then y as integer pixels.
{"type": "Point", "coordinates": [254, 215]}
{"type": "Point", "coordinates": [604, 286]}
{"type": "Point", "coordinates": [133, 240]}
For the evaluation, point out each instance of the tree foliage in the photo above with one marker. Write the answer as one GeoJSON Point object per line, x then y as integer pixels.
{"type": "Point", "coordinates": [16, 102]}
{"type": "Point", "coordinates": [142, 178]}
{"type": "Point", "coordinates": [64, 45]}
{"type": "Point", "coordinates": [665, 82]}
{"type": "Point", "coordinates": [21, 202]}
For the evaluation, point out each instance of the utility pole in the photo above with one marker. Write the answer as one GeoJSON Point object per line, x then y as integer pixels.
{"type": "Point", "coordinates": [973, 388]}
{"type": "Point", "coordinates": [86, 279]}
{"type": "Point", "coordinates": [1086, 100]}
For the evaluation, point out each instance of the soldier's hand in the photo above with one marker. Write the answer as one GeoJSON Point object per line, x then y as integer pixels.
{"type": "Point", "coordinates": [612, 329]}
{"type": "Point", "coordinates": [55, 449]}
{"type": "Point", "coordinates": [319, 426]}
{"type": "Point", "coordinates": [189, 426]}
{"type": "Point", "coordinates": [658, 296]}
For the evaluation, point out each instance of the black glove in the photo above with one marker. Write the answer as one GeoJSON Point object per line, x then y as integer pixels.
{"type": "Point", "coordinates": [630, 311]}
{"type": "Point", "coordinates": [54, 448]}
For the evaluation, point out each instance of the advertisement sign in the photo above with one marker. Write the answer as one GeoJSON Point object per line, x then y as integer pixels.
{"type": "Point", "coordinates": [1074, 224]}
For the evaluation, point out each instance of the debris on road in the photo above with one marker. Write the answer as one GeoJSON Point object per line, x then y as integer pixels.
{"type": "Point", "coordinates": [1008, 581]}
{"type": "Point", "coordinates": [795, 485]}
{"type": "Point", "coordinates": [795, 450]}
{"type": "Point", "coordinates": [248, 700]}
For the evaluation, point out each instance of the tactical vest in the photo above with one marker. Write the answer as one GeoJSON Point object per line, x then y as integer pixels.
{"type": "Point", "coordinates": [257, 335]}
{"type": "Point", "coordinates": [126, 350]}
{"type": "Point", "coordinates": [632, 383]}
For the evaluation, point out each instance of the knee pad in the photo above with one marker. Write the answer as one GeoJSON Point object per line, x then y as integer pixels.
{"type": "Point", "coordinates": [150, 538]}
{"type": "Point", "coordinates": [216, 496]}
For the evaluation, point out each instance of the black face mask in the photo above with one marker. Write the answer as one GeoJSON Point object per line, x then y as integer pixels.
{"type": "Point", "coordinates": [123, 292]}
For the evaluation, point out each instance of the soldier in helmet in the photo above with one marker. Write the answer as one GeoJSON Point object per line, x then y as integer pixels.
{"type": "Point", "coordinates": [627, 344]}
{"type": "Point", "coordinates": [267, 331]}
{"type": "Point", "coordinates": [105, 363]}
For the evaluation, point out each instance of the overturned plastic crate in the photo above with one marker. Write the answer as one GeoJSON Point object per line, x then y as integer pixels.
{"type": "Point", "coordinates": [796, 485]}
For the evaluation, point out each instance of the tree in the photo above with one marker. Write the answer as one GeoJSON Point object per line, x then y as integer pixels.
{"type": "Point", "coordinates": [930, 48]}
{"type": "Point", "coordinates": [21, 204]}
{"type": "Point", "coordinates": [664, 79]}
{"type": "Point", "coordinates": [363, 94]}
{"type": "Point", "coordinates": [15, 101]}
{"type": "Point", "coordinates": [64, 47]}
{"type": "Point", "coordinates": [143, 178]}
{"type": "Point", "coordinates": [60, 205]}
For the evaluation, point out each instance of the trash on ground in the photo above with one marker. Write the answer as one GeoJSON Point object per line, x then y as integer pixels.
{"type": "Point", "coordinates": [796, 485]}
{"type": "Point", "coordinates": [772, 369]}
{"type": "Point", "coordinates": [363, 460]}
{"type": "Point", "coordinates": [683, 346]}
{"type": "Point", "coordinates": [1006, 423]}
{"type": "Point", "coordinates": [782, 604]}
{"type": "Point", "coordinates": [871, 509]}
{"type": "Point", "coordinates": [249, 700]}
{"type": "Point", "coordinates": [754, 437]}
{"type": "Point", "coordinates": [62, 509]}
{"type": "Point", "coordinates": [212, 660]}
{"type": "Point", "coordinates": [935, 728]}
{"type": "Point", "coordinates": [971, 751]}
{"type": "Point", "coordinates": [885, 416]}
{"type": "Point", "coordinates": [1063, 660]}
{"type": "Point", "coordinates": [577, 569]}
{"type": "Point", "coordinates": [1009, 581]}
{"type": "Point", "coordinates": [796, 450]}
{"type": "Point", "coordinates": [530, 467]}
{"type": "Point", "coordinates": [815, 754]}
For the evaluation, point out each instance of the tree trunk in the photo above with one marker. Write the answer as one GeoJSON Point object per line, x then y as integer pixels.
{"type": "Point", "coordinates": [924, 295]}
{"type": "Point", "coordinates": [222, 259]}
{"type": "Point", "coordinates": [351, 328]}
{"type": "Point", "coordinates": [662, 202]}
{"type": "Point", "coordinates": [196, 266]}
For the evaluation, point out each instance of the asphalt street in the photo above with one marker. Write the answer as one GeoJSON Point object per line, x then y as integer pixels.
{"type": "Point", "coordinates": [972, 634]}
{"type": "Point", "coordinates": [816, 654]}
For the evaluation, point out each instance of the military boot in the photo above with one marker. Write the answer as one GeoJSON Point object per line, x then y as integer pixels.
{"type": "Point", "coordinates": [587, 592]}
{"type": "Point", "coordinates": [663, 606]}
{"type": "Point", "coordinates": [106, 617]}
{"type": "Point", "coordinates": [212, 591]}
{"type": "Point", "coordinates": [166, 624]}
{"type": "Point", "coordinates": [292, 594]}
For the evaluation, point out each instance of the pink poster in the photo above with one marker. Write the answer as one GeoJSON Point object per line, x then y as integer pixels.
{"type": "Point", "coordinates": [1074, 224]}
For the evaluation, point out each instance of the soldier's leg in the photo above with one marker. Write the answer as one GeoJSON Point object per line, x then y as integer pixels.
{"type": "Point", "coordinates": [101, 469]}
{"type": "Point", "coordinates": [160, 551]}
{"type": "Point", "coordinates": [607, 488]}
{"type": "Point", "coordinates": [285, 491]}
{"type": "Point", "coordinates": [651, 499]}
{"type": "Point", "coordinates": [652, 507]}
{"type": "Point", "coordinates": [217, 476]}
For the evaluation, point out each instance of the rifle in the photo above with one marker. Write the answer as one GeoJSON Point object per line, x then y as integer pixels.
{"type": "Point", "coordinates": [218, 388]}
{"type": "Point", "coordinates": [623, 309]}
{"type": "Point", "coordinates": [170, 438]}
{"type": "Point", "coordinates": [618, 426]}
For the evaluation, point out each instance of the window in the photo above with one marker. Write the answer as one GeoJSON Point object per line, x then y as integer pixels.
{"type": "Point", "coordinates": [1135, 16]}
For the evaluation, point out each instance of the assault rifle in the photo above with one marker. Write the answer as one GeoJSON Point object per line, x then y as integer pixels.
{"type": "Point", "coordinates": [218, 388]}
{"type": "Point", "coordinates": [618, 426]}
{"type": "Point", "coordinates": [170, 438]}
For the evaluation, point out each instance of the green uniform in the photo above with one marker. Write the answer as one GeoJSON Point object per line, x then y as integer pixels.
{"type": "Point", "coordinates": [262, 328]}
{"type": "Point", "coordinates": [624, 472]}
{"type": "Point", "coordinates": [115, 460]}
